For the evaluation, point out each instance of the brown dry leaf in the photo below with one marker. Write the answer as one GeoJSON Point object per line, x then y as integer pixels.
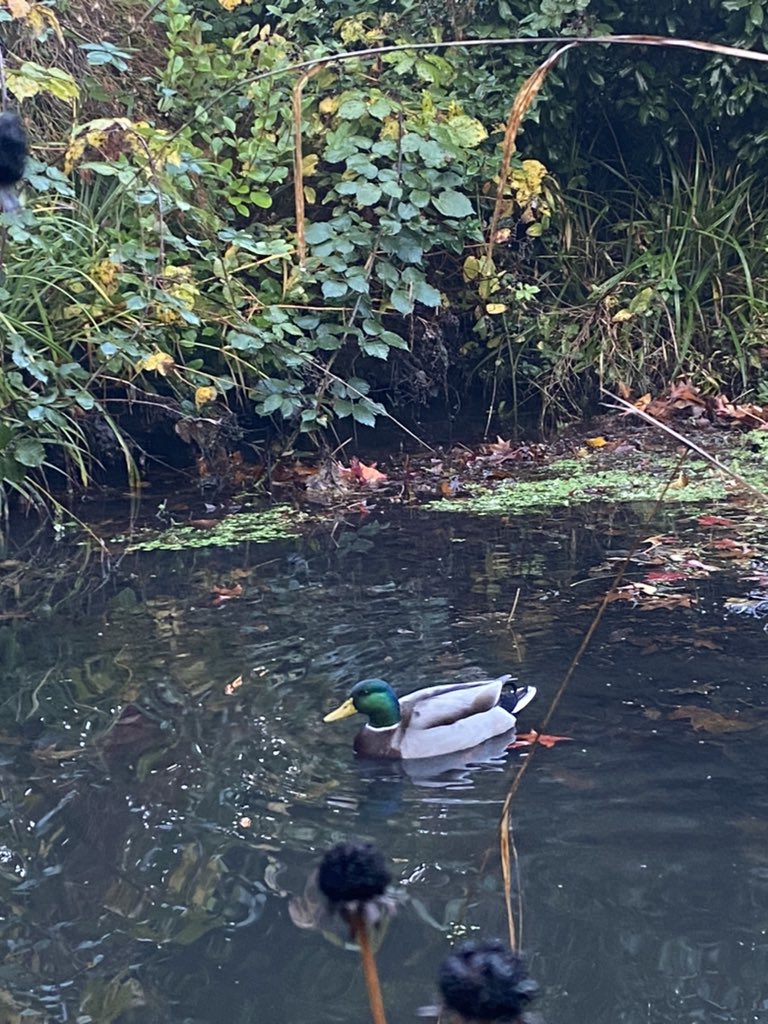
{"type": "Point", "coordinates": [704, 644]}
{"type": "Point", "coordinates": [222, 594]}
{"type": "Point", "coordinates": [706, 720]}
{"type": "Point", "coordinates": [667, 601]}
{"type": "Point", "coordinates": [18, 8]}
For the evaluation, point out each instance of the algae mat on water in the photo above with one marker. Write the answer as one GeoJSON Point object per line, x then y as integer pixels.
{"type": "Point", "coordinates": [578, 481]}
{"type": "Point", "coordinates": [241, 527]}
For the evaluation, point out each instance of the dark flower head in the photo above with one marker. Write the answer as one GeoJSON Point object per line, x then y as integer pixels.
{"type": "Point", "coordinates": [352, 872]}
{"type": "Point", "coordinates": [486, 981]}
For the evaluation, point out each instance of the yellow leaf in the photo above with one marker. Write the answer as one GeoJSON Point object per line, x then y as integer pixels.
{"type": "Point", "coordinates": [494, 308]}
{"type": "Point", "coordinates": [18, 8]}
{"type": "Point", "coordinates": [622, 316]}
{"type": "Point", "coordinates": [40, 17]}
{"type": "Point", "coordinates": [472, 266]}
{"type": "Point", "coordinates": [32, 78]}
{"type": "Point", "coordinates": [204, 395]}
{"type": "Point", "coordinates": [596, 442]}
{"type": "Point", "coordinates": [329, 105]}
{"type": "Point", "coordinates": [310, 196]}
{"type": "Point", "coordinates": [162, 362]}
{"type": "Point", "coordinates": [680, 481]}
{"type": "Point", "coordinates": [309, 164]}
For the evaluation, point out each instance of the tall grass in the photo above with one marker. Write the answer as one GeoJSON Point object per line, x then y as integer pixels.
{"type": "Point", "coordinates": [669, 283]}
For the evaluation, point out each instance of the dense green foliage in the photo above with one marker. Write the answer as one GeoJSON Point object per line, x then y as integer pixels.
{"type": "Point", "coordinates": [154, 282]}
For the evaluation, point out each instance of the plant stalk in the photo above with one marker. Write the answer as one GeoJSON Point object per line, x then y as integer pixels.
{"type": "Point", "coordinates": [371, 975]}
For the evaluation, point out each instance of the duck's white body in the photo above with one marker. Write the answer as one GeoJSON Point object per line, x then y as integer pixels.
{"type": "Point", "coordinates": [441, 720]}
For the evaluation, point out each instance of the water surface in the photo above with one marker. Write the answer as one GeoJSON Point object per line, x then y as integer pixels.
{"type": "Point", "coordinates": [155, 828]}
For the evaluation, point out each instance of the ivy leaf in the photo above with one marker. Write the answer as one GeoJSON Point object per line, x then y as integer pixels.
{"type": "Point", "coordinates": [452, 204]}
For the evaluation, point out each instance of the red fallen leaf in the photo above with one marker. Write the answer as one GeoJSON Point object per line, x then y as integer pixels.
{"type": "Point", "coordinates": [528, 739]}
{"type": "Point", "coordinates": [361, 473]}
{"type": "Point", "coordinates": [664, 575]}
{"type": "Point", "coordinates": [714, 521]}
{"type": "Point", "coordinates": [222, 594]}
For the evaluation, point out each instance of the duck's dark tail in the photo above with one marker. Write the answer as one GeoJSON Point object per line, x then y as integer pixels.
{"type": "Point", "coordinates": [518, 698]}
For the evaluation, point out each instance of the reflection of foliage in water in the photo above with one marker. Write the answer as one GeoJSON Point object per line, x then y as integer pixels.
{"type": "Point", "coordinates": [159, 821]}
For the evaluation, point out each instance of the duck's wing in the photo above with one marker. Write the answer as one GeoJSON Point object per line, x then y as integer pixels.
{"type": "Point", "coordinates": [438, 706]}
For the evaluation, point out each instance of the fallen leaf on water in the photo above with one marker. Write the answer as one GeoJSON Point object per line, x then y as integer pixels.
{"type": "Point", "coordinates": [703, 688]}
{"type": "Point", "coordinates": [705, 720]}
{"type": "Point", "coordinates": [230, 688]}
{"type": "Point", "coordinates": [703, 644]}
{"type": "Point", "coordinates": [527, 739]}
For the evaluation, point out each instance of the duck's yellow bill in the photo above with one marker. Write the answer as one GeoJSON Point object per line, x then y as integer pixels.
{"type": "Point", "coordinates": [346, 709]}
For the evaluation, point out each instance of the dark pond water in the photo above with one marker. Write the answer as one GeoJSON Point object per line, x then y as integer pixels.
{"type": "Point", "coordinates": [156, 831]}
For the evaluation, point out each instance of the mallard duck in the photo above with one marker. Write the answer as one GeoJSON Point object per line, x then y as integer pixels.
{"type": "Point", "coordinates": [431, 722]}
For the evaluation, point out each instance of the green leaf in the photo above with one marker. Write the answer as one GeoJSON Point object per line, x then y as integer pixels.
{"type": "Point", "coordinates": [271, 403]}
{"type": "Point", "coordinates": [29, 452]}
{"type": "Point", "coordinates": [368, 194]}
{"type": "Point", "coordinates": [419, 197]}
{"type": "Point", "coordinates": [393, 340]}
{"type": "Point", "coordinates": [379, 108]}
{"type": "Point", "coordinates": [402, 301]}
{"type": "Point", "coordinates": [242, 342]}
{"type": "Point", "coordinates": [377, 349]}
{"type": "Point", "coordinates": [452, 204]}
{"type": "Point", "coordinates": [317, 233]}
{"type": "Point", "coordinates": [351, 109]}
{"type": "Point", "coordinates": [426, 294]}
{"type": "Point", "coordinates": [362, 414]}
{"type": "Point", "coordinates": [358, 284]}
{"type": "Point", "coordinates": [333, 289]}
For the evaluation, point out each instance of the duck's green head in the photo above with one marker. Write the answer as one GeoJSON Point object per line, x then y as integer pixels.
{"type": "Point", "coordinates": [372, 697]}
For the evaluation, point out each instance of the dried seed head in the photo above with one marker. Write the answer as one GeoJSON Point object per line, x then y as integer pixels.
{"type": "Point", "coordinates": [351, 872]}
{"type": "Point", "coordinates": [486, 981]}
